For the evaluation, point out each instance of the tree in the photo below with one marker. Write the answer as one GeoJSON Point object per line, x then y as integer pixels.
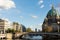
{"type": "Point", "coordinates": [10, 30]}
{"type": "Point", "coordinates": [28, 30]}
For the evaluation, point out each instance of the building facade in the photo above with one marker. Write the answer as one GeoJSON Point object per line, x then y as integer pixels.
{"type": "Point", "coordinates": [52, 21]}
{"type": "Point", "coordinates": [17, 26]}
{"type": "Point", "coordinates": [3, 25]}
{"type": "Point", "coordinates": [23, 28]}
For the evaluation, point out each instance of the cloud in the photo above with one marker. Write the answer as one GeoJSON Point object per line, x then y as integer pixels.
{"type": "Point", "coordinates": [5, 19]}
{"type": "Point", "coordinates": [21, 16]}
{"type": "Point", "coordinates": [34, 16]}
{"type": "Point", "coordinates": [7, 4]}
{"type": "Point", "coordinates": [42, 6]}
{"type": "Point", "coordinates": [40, 2]}
{"type": "Point", "coordinates": [40, 24]}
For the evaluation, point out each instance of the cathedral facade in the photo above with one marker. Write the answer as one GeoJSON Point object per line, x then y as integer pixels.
{"type": "Point", "coordinates": [52, 21]}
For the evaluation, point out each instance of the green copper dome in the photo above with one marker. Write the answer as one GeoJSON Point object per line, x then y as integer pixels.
{"type": "Point", "coordinates": [52, 12]}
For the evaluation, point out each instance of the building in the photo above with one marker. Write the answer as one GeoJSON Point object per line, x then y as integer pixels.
{"type": "Point", "coordinates": [35, 29]}
{"type": "Point", "coordinates": [17, 26]}
{"type": "Point", "coordinates": [23, 28]}
{"type": "Point", "coordinates": [52, 21]}
{"type": "Point", "coordinates": [4, 24]}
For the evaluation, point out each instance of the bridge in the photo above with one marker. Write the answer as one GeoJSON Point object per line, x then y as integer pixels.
{"type": "Point", "coordinates": [44, 33]}
{"type": "Point", "coordinates": [17, 35]}
{"type": "Point", "coordinates": [37, 33]}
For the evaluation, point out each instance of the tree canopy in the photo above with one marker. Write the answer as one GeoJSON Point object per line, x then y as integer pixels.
{"type": "Point", "coordinates": [29, 30]}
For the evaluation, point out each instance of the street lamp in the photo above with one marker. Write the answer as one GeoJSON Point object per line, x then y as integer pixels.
{"type": "Point", "coordinates": [58, 25]}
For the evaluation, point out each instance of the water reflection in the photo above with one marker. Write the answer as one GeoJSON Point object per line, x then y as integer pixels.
{"type": "Point", "coordinates": [51, 39]}
{"type": "Point", "coordinates": [33, 38]}
{"type": "Point", "coordinates": [29, 39]}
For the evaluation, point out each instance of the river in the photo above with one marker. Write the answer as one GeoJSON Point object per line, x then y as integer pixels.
{"type": "Point", "coordinates": [32, 38]}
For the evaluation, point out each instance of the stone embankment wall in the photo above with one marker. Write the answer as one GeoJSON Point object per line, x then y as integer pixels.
{"type": "Point", "coordinates": [9, 35]}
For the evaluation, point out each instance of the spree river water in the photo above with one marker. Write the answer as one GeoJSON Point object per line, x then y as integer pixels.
{"type": "Point", "coordinates": [27, 38]}
{"type": "Point", "coordinates": [32, 38]}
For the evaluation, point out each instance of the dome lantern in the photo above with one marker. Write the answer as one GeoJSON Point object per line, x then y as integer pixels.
{"type": "Point", "coordinates": [52, 6]}
{"type": "Point", "coordinates": [52, 12]}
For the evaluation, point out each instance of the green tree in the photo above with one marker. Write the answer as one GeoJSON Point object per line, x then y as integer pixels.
{"type": "Point", "coordinates": [28, 30]}
{"type": "Point", "coordinates": [10, 30]}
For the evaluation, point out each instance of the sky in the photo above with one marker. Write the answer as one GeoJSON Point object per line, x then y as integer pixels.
{"type": "Point", "coordinates": [30, 13]}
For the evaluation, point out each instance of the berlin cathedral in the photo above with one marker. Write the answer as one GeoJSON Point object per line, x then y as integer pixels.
{"type": "Point", "coordinates": [52, 21]}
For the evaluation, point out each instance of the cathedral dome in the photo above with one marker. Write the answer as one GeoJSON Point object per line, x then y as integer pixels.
{"type": "Point", "coordinates": [52, 12]}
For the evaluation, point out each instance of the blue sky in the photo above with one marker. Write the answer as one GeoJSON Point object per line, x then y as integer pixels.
{"type": "Point", "coordinates": [30, 13]}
